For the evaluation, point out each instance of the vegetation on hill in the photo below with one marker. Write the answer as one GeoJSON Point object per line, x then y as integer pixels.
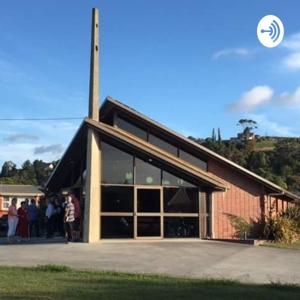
{"type": "Point", "coordinates": [35, 173]}
{"type": "Point", "coordinates": [280, 165]}
{"type": "Point", "coordinates": [276, 159]}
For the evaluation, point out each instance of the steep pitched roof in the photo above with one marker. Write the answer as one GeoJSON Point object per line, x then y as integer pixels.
{"type": "Point", "coordinates": [111, 103]}
{"type": "Point", "coordinates": [20, 190]}
{"type": "Point", "coordinates": [75, 149]}
{"type": "Point", "coordinates": [158, 153]}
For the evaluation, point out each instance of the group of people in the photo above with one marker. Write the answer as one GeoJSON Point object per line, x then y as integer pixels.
{"type": "Point", "coordinates": [62, 216]}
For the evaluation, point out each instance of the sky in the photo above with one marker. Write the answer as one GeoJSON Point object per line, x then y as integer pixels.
{"type": "Point", "coordinates": [191, 65]}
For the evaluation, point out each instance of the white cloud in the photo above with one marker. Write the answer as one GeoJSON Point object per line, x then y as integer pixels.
{"type": "Point", "coordinates": [53, 149]}
{"type": "Point", "coordinates": [48, 133]}
{"type": "Point", "coordinates": [291, 61]}
{"type": "Point", "coordinates": [292, 42]}
{"type": "Point", "coordinates": [253, 98]}
{"type": "Point", "coordinates": [290, 99]}
{"type": "Point", "coordinates": [240, 52]}
{"type": "Point", "coordinates": [272, 127]}
{"type": "Point", "coordinates": [20, 137]}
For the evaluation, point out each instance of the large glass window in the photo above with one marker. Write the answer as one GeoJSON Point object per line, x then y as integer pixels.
{"type": "Point", "coordinates": [154, 140]}
{"type": "Point", "coordinates": [172, 180]}
{"type": "Point", "coordinates": [148, 226]}
{"type": "Point", "coordinates": [147, 174]}
{"type": "Point", "coordinates": [148, 200]}
{"type": "Point", "coordinates": [181, 200]}
{"type": "Point", "coordinates": [117, 165]}
{"type": "Point", "coordinates": [117, 199]}
{"type": "Point", "coordinates": [193, 159]}
{"type": "Point", "coordinates": [117, 227]}
{"type": "Point", "coordinates": [181, 227]}
{"type": "Point", "coordinates": [131, 128]}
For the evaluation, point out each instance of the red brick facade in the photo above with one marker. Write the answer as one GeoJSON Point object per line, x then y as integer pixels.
{"type": "Point", "coordinates": [245, 198]}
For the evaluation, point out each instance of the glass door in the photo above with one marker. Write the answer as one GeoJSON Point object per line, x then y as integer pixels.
{"type": "Point", "coordinates": [148, 212]}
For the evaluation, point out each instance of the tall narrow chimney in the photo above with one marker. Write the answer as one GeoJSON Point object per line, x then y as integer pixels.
{"type": "Point", "coordinates": [94, 68]}
{"type": "Point", "coordinates": [91, 230]}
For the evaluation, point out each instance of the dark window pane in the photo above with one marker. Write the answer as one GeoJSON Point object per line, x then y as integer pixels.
{"type": "Point", "coordinates": [193, 160]}
{"type": "Point", "coordinates": [148, 200]}
{"type": "Point", "coordinates": [148, 226]}
{"type": "Point", "coordinates": [116, 227]}
{"type": "Point", "coordinates": [117, 199]}
{"type": "Point", "coordinates": [117, 165]}
{"type": "Point", "coordinates": [184, 200]}
{"type": "Point", "coordinates": [181, 227]}
{"type": "Point", "coordinates": [170, 179]}
{"type": "Point", "coordinates": [131, 128]}
{"type": "Point", "coordinates": [154, 140]}
{"type": "Point", "coordinates": [147, 173]}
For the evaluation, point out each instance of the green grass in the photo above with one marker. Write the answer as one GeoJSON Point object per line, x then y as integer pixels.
{"type": "Point", "coordinates": [59, 282]}
{"type": "Point", "coordinates": [295, 246]}
{"type": "Point", "coordinates": [269, 144]}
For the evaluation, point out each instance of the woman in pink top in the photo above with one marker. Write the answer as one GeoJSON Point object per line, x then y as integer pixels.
{"type": "Point", "coordinates": [12, 220]}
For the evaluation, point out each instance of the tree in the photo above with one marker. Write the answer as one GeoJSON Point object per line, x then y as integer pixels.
{"type": "Point", "coordinates": [248, 126]}
{"type": "Point", "coordinates": [219, 135]}
{"type": "Point", "coordinates": [213, 135]}
{"type": "Point", "coordinates": [9, 169]}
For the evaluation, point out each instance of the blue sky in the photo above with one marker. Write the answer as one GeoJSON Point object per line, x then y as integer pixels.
{"type": "Point", "coordinates": [190, 65]}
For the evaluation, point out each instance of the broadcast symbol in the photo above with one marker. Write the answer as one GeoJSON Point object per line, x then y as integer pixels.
{"type": "Point", "coordinates": [274, 31]}
{"type": "Point", "coordinates": [270, 31]}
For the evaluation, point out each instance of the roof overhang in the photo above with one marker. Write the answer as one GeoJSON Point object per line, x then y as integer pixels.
{"type": "Point", "coordinates": [77, 147]}
{"type": "Point", "coordinates": [157, 153]}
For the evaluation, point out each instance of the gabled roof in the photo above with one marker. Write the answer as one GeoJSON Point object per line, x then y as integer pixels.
{"type": "Point", "coordinates": [74, 151]}
{"type": "Point", "coordinates": [157, 153]}
{"type": "Point", "coordinates": [20, 190]}
{"type": "Point", "coordinates": [111, 103]}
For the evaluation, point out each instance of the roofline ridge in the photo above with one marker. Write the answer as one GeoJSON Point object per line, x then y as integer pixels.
{"type": "Point", "coordinates": [203, 148]}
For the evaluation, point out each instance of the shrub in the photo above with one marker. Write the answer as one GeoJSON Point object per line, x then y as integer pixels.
{"type": "Point", "coordinates": [241, 226]}
{"type": "Point", "coordinates": [281, 229]}
{"type": "Point", "coordinates": [292, 213]}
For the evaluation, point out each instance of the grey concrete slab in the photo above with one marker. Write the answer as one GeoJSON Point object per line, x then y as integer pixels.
{"type": "Point", "coordinates": [207, 259]}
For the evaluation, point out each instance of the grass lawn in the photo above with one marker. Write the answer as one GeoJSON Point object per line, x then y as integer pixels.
{"type": "Point", "coordinates": [54, 282]}
{"type": "Point", "coordinates": [295, 246]}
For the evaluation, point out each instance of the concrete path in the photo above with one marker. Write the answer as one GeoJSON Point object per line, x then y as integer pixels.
{"type": "Point", "coordinates": [191, 259]}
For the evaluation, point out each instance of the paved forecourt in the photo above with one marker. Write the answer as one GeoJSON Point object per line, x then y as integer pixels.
{"type": "Point", "coordinates": [185, 258]}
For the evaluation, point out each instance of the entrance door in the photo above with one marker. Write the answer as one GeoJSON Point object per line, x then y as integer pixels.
{"type": "Point", "coordinates": [148, 212]}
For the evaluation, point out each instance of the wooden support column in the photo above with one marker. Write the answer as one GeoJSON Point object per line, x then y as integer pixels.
{"type": "Point", "coordinates": [93, 161]}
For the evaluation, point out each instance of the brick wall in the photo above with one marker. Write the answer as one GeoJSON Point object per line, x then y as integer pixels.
{"type": "Point", "coordinates": [245, 198]}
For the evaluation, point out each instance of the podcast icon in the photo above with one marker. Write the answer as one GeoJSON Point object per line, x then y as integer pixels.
{"type": "Point", "coordinates": [270, 31]}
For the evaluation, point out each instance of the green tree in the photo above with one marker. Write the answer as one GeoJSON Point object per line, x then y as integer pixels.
{"type": "Point", "coordinates": [9, 169]}
{"type": "Point", "coordinates": [213, 135]}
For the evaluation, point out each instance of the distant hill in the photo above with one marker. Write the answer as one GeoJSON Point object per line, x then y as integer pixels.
{"type": "Point", "coordinates": [275, 158]}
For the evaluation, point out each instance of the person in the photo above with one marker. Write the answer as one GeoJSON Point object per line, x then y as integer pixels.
{"type": "Point", "coordinates": [33, 218]}
{"type": "Point", "coordinates": [77, 215]}
{"type": "Point", "coordinates": [23, 221]}
{"type": "Point", "coordinates": [13, 220]}
{"type": "Point", "coordinates": [70, 218]}
{"type": "Point", "coordinates": [60, 216]}
{"type": "Point", "coordinates": [26, 203]}
{"type": "Point", "coordinates": [50, 212]}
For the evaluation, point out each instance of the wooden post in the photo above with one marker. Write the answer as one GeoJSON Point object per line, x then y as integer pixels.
{"type": "Point", "coordinates": [91, 232]}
